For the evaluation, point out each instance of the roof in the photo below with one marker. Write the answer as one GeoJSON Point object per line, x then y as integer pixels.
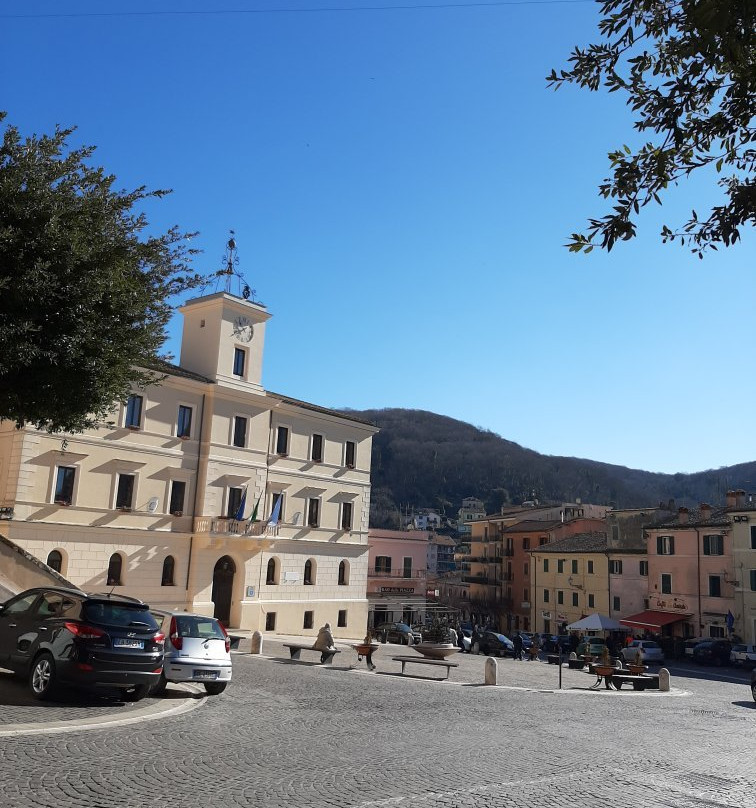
{"type": "Point", "coordinates": [717, 518]}
{"type": "Point", "coordinates": [593, 542]}
{"type": "Point", "coordinates": [174, 370]}
{"type": "Point", "coordinates": [533, 526]}
{"type": "Point", "coordinates": [325, 410]}
{"type": "Point", "coordinates": [652, 619]}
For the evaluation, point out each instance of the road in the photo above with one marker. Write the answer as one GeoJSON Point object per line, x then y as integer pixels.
{"type": "Point", "coordinates": [289, 734]}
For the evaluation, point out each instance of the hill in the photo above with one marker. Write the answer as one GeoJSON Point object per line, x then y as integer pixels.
{"type": "Point", "coordinates": [421, 459]}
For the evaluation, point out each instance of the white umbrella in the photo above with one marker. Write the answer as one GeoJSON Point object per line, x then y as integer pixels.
{"type": "Point", "coordinates": [596, 622]}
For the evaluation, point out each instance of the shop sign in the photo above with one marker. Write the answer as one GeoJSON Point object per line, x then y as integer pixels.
{"type": "Point", "coordinates": [397, 590]}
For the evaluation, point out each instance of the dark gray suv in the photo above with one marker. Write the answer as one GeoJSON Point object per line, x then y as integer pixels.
{"type": "Point", "coordinates": [56, 636]}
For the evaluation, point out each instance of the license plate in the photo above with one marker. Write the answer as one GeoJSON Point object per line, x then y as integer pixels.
{"type": "Point", "coordinates": [205, 674]}
{"type": "Point", "coordinates": [123, 642]}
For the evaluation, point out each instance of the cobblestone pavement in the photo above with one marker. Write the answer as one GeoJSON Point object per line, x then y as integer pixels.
{"type": "Point", "coordinates": [299, 734]}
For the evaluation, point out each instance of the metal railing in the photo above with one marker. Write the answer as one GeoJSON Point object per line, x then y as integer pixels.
{"type": "Point", "coordinates": [233, 527]}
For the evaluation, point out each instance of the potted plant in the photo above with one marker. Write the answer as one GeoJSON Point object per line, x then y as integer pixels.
{"type": "Point", "coordinates": [637, 667]}
{"type": "Point", "coordinates": [436, 642]}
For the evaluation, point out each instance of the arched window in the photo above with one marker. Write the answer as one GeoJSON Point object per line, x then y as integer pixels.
{"type": "Point", "coordinates": [270, 577]}
{"type": "Point", "coordinates": [55, 561]}
{"type": "Point", "coordinates": [115, 566]}
{"type": "Point", "coordinates": [343, 573]}
{"type": "Point", "coordinates": [308, 572]}
{"type": "Point", "coordinates": [169, 566]}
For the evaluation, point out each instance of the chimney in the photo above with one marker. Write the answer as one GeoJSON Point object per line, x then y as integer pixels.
{"type": "Point", "coordinates": [740, 498]}
{"type": "Point", "coordinates": [730, 499]}
{"type": "Point", "coordinates": [682, 516]}
{"type": "Point", "coordinates": [705, 511]}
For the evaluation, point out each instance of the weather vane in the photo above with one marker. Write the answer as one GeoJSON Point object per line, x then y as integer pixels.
{"type": "Point", "coordinates": [231, 274]}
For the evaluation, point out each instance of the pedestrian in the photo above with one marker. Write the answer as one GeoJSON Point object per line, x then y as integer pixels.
{"type": "Point", "coordinates": [535, 647]}
{"type": "Point", "coordinates": [517, 646]}
{"type": "Point", "coordinates": [324, 642]}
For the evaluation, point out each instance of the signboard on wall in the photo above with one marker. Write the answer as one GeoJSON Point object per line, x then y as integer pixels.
{"type": "Point", "coordinates": [291, 577]}
{"type": "Point", "coordinates": [250, 591]}
{"type": "Point", "coordinates": [397, 590]}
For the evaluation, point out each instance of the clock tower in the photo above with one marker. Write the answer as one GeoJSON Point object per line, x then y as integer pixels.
{"type": "Point", "coordinates": [223, 339]}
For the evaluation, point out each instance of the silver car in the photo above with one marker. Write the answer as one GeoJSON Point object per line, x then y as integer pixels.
{"type": "Point", "coordinates": [743, 655]}
{"type": "Point", "coordinates": [651, 652]}
{"type": "Point", "coordinates": [197, 649]}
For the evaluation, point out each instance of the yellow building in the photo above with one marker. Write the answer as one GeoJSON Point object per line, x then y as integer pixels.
{"type": "Point", "coordinates": [158, 504]}
{"type": "Point", "coordinates": [570, 579]}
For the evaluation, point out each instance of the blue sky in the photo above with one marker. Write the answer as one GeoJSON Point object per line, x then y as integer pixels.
{"type": "Point", "coordinates": [401, 183]}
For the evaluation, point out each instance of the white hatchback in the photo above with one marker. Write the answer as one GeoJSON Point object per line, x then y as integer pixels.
{"type": "Point", "coordinates": [197, 649]}
{"type": "Point", "coordinates": [650, 651]}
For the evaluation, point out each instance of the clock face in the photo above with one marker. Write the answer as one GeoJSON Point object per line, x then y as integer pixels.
{"type": "Point", "coordinates": [243, 329]}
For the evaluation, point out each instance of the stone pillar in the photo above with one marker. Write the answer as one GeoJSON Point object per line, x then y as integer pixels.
{"type": "Point", "coordinates": [256, 645]}
{"type": "Point", "coordinates": [664, 679]}
{"type": "Point", "coordinates": [491, 671]}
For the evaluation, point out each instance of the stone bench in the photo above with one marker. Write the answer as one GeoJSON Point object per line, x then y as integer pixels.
{"type": "Point", "coordinates": [295, 649]}
{"type": "Point", "coordinates": [645, 681]}
{"type": "Point", "coordinates": [418, 660]}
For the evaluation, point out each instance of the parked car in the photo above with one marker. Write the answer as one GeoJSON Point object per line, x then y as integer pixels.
{"type": "Point", "coordinates": [527, 639]}
{"type": "Point", "coordinates": [492, 644]}
{"type": "Point", "coordinates": [744, 655]}
{"type": "Point", "coordinates": [712, 652]}
{"type": "Point", "coordinates": [465, 638]}
{"type": "Point", "coordinates": [651, 652]}
{"type": "Point", "coordinates": [691, 643]}
{"type": "Point", "coordinates": [58, 636]}
{"type": "Point", "coordinates": [398, 632]}
{"type": "Point", "coordinates": [753, 683]}
{"type": "Point", "coordinates": [197, 649]}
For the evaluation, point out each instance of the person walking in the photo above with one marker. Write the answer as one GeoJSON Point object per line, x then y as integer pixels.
{"type": "Point", "coordinates": [517, 646]}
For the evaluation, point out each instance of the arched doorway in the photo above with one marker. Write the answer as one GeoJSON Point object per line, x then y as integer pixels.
{"type": "Point", "coordinates": [223, 585]}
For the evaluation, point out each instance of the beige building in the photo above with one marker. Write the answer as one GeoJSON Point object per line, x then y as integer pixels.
{"type": "Point", "coordinates": [158, 504]}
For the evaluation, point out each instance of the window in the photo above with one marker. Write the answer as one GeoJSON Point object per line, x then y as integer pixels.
{"type": "Point", "coordinates": [240, 356]}
{"type": "Point", "coordinates": [308, 572]}
{"type": "Point", "coordinates": [753, 537]}
{"type": "Point", "coordinates": [184, 423]}
{"type": "Point", "coordinates": [55, 561]}
{"type": "Point", "coordinates": [125, 491]}
{"type": "Point", "coordinates": [64, 485]}
{"type": "Point", "coordinates": [615, 533]}
{"type": "Point", "coordinates": [615, 567]}
{"type": "Point", "coordinates": [665, 545]}
{"type": "Point", "coordinates": [541, 542]}
{"type": "Point", "coordinates": [349, 453]}
{"type": "Point", "coordinates": [342, 618]}
{"type": "Point", "coordinates": [715, 586]}
{"type": "Point", "coordinates": [309, 618]}
{"type": "Point", "coordinates": [282, 440]}
{"type": "Point", "coordinates": [115, 566]}
{"type": "Point", "coordinates": [545, 595]}
{"type": "Point", "coordinates": [643, 568]}
{"type": "Point", "coordinates": [713, 545]}
{"type": "Point", "coordinates": [574, 567]}
{"type": "Point", "coordinates": [591, 602]}
{"type": "Point", "coordinates": [407, 571]}
{"type": "Point", "coordinates": [169, 567]}
{"type": "Point", "coordinates": [346, 515]}
{"type": "Point", "coordinates": [383, 564]}
{"type": "Point", "coordinates": [526, 595]}
{"type": "Point", "coordinates": [616, 603]}
{"type": "Point", "coordinates": [343, 573]}
{"type": "Point", "coordinates": [525, 570]}
{"type": "Point", "coordinates": [545, 564]}
{"type": "Point", "coordinates": [666, 583]}
{"type": "Point", "coordinates": [234, 502]}
{"type": "Point", "coordinates": [560, 596]}
{"type": "Point", "coordinates": [316, 449]}
{"type": "Point", "coordinates": [560, 565]}
{"type": "Point", "coordinates": [313, 512]}
{"type": "Point", "coordinates": [133, 418]}
{"type": "Point", "coordinates": [277, 507]}
{"type": "Point", "coordinates": [240, 431]}
{"type": "Point", "coordinates": [716, 631]}
{"type": "Point", "coordinates": [574, 598]}
{"type": "Point", "coordinates": [270, 575]}
{"type": "Point", "coordinates": [270, 621]}
{"type": "Point", "coordinates": [590, 568]}
{"type": "Point", "coordinates": [526, 544]}
{"type": "Point", "coordinates": [753, 580]}
{"type": "Point", "coordinates": [178, 494]}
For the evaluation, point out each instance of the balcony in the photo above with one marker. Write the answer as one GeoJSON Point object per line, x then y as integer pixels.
{"type": "Point", "coordinates": [218, 526]}
{"type": "Point", "coordinates": [398, 574]}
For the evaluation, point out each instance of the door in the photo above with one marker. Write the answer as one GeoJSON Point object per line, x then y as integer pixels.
{"type": "Point", "coordinates": [223, 585]}
{"type": "Point", "coordinates": [15, 621]}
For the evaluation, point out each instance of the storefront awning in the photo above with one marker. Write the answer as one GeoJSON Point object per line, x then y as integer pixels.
{"type": "Point", "coordinates": [653, 620]}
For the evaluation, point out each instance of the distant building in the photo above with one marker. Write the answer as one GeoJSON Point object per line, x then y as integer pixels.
{"type": "Point", "coordinates": [425, 519]}
{"type": "Point", "coordinates": [471, 510]}
{"type": "Point", "coordinates": [441, 554]}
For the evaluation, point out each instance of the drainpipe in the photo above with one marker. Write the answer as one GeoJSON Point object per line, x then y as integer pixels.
{"type": "Point", "coordinates": [698, 564]}
{"type": "Point", "coordinates": [196, 488]}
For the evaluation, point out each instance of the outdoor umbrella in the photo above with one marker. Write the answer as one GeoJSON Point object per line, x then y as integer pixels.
{"type": "Point", "coordinates": [596, 622]}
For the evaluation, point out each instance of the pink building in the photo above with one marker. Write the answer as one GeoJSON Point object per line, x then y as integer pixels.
{"type": "Point", "coordinates": [397, 575]}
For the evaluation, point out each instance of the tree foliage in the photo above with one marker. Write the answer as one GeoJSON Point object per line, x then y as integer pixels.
{"type": "Point", "coordinates": [84, 294]}
{"type": "Point", "coordinates": [688, 71]}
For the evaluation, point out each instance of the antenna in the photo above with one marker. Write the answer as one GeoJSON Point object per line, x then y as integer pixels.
{"type": "Point", "coordinates": [230, 272]}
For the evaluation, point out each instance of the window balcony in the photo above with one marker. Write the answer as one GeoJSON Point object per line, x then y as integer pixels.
{"type": "Point", "coordinates": [218, 526]}
{"type": "Point", "coordinates": [398, 574]}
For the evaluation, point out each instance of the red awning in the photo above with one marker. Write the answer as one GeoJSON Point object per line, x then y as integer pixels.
{"type": "Point", "coordinates": [653, 620]}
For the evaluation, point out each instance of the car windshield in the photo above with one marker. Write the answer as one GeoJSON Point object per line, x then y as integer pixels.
{"type": "Point", "coordinates": [119, 614]}
{"type": "Point", "coordinates": [198, 626]}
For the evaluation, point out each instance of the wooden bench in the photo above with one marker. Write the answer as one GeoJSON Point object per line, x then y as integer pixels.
{"type": "Point", "coordinates": [644, 681]}
{"type": "Point", "coordinates": [295, 649]}
{"type": "Point", "coordinates": [423, 661]}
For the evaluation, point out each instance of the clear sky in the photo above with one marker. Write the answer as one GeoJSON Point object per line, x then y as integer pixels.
{"type": "Point", "coordinates": [401, 183]}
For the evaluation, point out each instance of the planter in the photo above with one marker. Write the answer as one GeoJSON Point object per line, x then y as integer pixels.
{"type": "Point", "coordinates": [604, 670]}
{"type": "Point", "coordinates": [636, 670]}
{"type": "Point", "coordinates": [436, 650]}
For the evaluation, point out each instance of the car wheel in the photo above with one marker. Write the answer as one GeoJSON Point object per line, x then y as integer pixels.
{"type": "Point", "coordinates": [159, 688]}
{"type": "Point", "coordinates": [476, 648]}
{"type": "Point", "coordinates": [215, 688]}
{"type": "Point", "coordinates": [136, 693]}
{"type": "Point", "coordinates": [42, 680]}
{"type": "Point", "coordinates": [753, 691]}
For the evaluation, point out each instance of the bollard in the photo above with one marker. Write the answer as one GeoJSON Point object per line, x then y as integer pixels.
{"type": "Point", "coordinates": [491, 671]}
{"type": "Point", "coordinates": [257, 643]}
{"type": "Point", "coordinates": [664, 680]}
